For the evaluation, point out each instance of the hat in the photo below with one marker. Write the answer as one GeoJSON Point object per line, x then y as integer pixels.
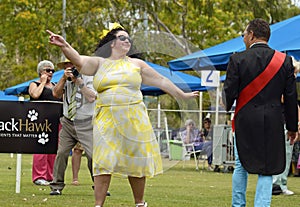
{"type": "Point", "coordinates": [111, 26]}
{"type": "Point", "coordinates": [61, 65]}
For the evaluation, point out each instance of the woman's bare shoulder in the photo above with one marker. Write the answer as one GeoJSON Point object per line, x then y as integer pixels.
{"type": "Point", "coordinates": [138, 62]}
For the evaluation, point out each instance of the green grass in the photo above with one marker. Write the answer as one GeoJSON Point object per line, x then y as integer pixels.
{"type": "Point", "coordinates": [178, 186]}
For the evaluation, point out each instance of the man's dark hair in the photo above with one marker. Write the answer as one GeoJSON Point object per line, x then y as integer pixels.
{"type": "Point", "coordinates": [260, 29]}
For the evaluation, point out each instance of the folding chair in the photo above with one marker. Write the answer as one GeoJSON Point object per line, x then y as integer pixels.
{"type": "Point", "coordinates": [189, 150]}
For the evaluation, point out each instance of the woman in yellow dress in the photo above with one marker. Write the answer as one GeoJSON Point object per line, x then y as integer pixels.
{"type": "Point", "coordinates": [124, 142]}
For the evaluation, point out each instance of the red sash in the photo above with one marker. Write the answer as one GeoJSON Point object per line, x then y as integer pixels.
{"type": "Point", "coordinates": [253, 88]}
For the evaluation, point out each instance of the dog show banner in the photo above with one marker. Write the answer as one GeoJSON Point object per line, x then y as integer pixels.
{"type": "Point", "coordinates": [29, 127]}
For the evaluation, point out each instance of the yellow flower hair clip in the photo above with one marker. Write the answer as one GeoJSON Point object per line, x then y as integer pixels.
{"type": "Point", "coordinates": [111, 26]}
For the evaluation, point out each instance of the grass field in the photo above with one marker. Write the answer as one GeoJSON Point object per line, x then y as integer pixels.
{"type": "Point", "coordinates": [178, 186]}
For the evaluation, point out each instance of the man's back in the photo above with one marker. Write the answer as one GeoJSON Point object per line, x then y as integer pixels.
{"type": "Point", "coordinates": [259, 146]}
{"type": "Point", "coordinates": [246, 66]}
{"type": "Point", "coordinates": [259, 124]}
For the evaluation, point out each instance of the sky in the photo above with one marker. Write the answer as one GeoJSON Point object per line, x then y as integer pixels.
{"type": "Point", "coordinates": [297, 2]}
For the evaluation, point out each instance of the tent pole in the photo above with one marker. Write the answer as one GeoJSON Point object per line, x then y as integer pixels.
{"type": "Point", "coordinates": [158, 112]}
{"type": "Point", "coordinates": [158, 119]}
{"type": "Point", "coordinates": [200, 109]}
{"type": "Point", "coordinates": [217, 105]}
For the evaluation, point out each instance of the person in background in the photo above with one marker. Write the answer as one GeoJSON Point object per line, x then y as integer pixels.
{"type": "Point", "coordinates": [124, 141]}
{"type": "Point", "coordinates": [298, 163]}
{"type": "Point", "coordinates": [207, 135]}
{"type": "Point", "coordinates": [295, 156]}
{"type": "Point", "coordinates": [76, 162]}
{"type": "Point", "coordinates": [258, 122]}
{"type": "Point", "coordinates": [207, 130]}
{"type": "Point", "coordinates": [192, 135]}
{"type": "Point", "coordinates": [41, 90]}
{"type": "Point", "coordinates": [281, 179]}
{"type": "Point", "coordinates": [78, 105]}
{"type": "Point", "coordinates": [296, 149]}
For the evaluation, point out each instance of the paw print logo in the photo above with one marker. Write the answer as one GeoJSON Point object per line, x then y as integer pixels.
{"type": "Point", "coordinates": [32, 115]}
{"type": "Point", "coordinates": [43, 138]}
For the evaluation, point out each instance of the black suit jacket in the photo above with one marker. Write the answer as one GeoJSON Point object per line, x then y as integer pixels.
{"type": "Point", "coordinates": [259, 125]}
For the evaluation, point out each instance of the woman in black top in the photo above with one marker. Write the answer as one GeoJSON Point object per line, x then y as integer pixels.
{"type": "Point", "coordinates": [42, 165]}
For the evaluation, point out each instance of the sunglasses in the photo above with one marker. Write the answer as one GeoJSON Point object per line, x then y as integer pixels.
{"type": "Point", "coordinates": [49, 70]}
{"type": "Point", "coordinates": [123, 38]}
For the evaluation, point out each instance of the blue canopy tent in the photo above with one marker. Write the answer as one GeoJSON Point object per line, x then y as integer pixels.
{"type": "Point", "coordinates": [22, 88]}
{"type": "Point", "coordinates": [285, 37]}
{"type": "Point", "coordinates": [184, 81]}
{"type": "Point", "coordinates": [4, 97]}
{"type": "Point", "coordinates": [223, 77]}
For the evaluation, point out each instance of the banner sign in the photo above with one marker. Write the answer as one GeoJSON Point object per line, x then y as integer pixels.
{"type": "Point", "coordinates": [29, 127]}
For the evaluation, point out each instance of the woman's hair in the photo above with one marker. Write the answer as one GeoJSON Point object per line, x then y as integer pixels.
{"type": "Point", "coordinates": [189, 121]}
{"type": "Point", "coordinates": [103, 48]}
{"type": "Point", "coordinates": [43, 64]}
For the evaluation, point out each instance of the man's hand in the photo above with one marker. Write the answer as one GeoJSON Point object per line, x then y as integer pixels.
{"type": "Point", "coordinates": [69, 75]}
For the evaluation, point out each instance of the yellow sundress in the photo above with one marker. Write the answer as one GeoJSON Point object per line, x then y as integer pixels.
{"type": "Point", "coordinates": [124, 142]}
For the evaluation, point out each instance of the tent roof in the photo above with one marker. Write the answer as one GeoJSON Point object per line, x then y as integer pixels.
{"type": "Point", "coordinates": [184, 81]}
{"type": "Point", "coordinates": [223, 77]}
{"type": "Point", "coordinates": [285, 37]}
{"type": "Point", "coordinates": [4, 97]}
{"type": "Point", "coordinates": [22, 88]}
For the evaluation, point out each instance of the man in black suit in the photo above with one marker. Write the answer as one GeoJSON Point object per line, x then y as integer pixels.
{"type": "Point", "coordinates": [259, 118]}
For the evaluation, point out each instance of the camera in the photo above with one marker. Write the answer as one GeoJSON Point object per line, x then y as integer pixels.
{"type": "Point", "coordinates": [75, 73]}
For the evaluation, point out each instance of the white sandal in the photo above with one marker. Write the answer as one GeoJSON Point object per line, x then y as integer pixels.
{"type": "Point", "coordinates": [141, 204]}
